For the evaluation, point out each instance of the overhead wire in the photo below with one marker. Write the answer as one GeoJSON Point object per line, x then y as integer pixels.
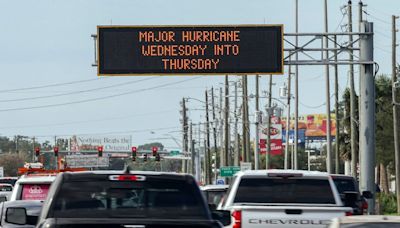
{"type": "Point", "coordinates": [50, 85]}
{"type": "Point", "coordinates": [97, 98]}
{"type": "Point", "coordinates": [79, 91]}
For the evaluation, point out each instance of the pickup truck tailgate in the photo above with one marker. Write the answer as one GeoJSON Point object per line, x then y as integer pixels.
{"type": "Point", "coordinates": [290, 216]}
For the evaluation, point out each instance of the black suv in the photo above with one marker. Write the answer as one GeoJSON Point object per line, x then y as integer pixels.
{"type": "Point", "coordinates": [125, 198]}
{"type": "Point", "coordinates": [347, 184]}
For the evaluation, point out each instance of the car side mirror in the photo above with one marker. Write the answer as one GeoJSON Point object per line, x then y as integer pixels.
{"type": "Point", "coordinates": [16, 215]}
{"type": "Point", "coordinates": [3, 199]}
{"type": "Point", "coordinates": [367, 194]}
{"type": "Point", "coordinates": [224, 217]}
{"type": "Point", "coordinates": [350, 198]}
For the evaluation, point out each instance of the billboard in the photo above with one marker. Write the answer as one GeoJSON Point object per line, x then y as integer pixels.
{"type": "Point", "coordinates": [313, 124]}
{"type": "Point", "coordinates": [86, 161]}
{"type": "Point", "coordinates": [200, 49]}
{"type": "Point", "coordinates": [301, 136]}
{"type": "Point", "coordinates": [110, 143]}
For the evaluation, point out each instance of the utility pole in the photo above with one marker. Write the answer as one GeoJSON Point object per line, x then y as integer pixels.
{"type": "Point", "coordinates": [244, 118]}
{"type": "Point", "coordinates": [352, 96]}
{"type": "Point", "coordinates": [215, 124]}
{"type": "Point", "coordinates": [185, 134]}
{"type": "Point", "coordinates": [192, 151]}
{"type": "Point", "coordinates": [336, 112]}
{"type": "Point", "coordinates": [226, 123]}
{"type": "Point", "coordinates": [328, 97]}
{"type": "Point", "coordinates": [367, 115]}
{"type": "Point", "coordinates": [257, 118]}
{"type": "Point", "coordinates": [286, 160]}
{"type": "Point", "coordinates": [237, 151]}
{"type": "Point", "coordinates": [269, 112]}
{"type": "Point", "coordinates": [208, 151]}
{"type": "Point", "coordinates": [221, 129]}
{"type": "Point", "coordinates": [395, 112]}
{"type": "Point", "coordinates": [198, 155]}
{"type": "Point", "coordinates": [296, 110]}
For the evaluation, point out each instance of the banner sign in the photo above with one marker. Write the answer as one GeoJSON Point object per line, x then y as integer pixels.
{"type": "Point", "coordinates": [200, 49]}
{"type": "Point", "coordinates": [276, 146]}
{"type": "Point", "coordinates": [86, 161]}
{"type": "Point", "coordinates": [110, 143]}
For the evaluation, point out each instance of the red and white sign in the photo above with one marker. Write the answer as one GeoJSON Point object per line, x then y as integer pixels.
{"type": "Point", "coordinates": [275, 131]}
{"type": "Point", "coordinates": [35, 191]}
{"type": "Point", "coordinates": [276, 146]}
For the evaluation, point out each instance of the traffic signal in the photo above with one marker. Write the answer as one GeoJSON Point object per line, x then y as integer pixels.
{"type": "Point", "coordinates": [134, 150]}
{"type": "Point", "coordinates": [100, 151]}
{"type": "Point", "coordinates": [145, 157]}
{"type": "Point", "coordinates": [158, 158]}
{"type": "Point", "coordinates": [154, 150]}
{"type": "Point", "coordinates": [55, 149]}
{"type": "Point", "coordinates": [37, 151]}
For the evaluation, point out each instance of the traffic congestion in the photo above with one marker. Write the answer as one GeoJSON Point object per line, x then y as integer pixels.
{"type": "Point", "coordinates": [129, 198]}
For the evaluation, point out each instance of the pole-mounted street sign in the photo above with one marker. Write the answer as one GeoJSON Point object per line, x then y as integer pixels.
{"type": "Point", "coordinates": [172, 50]}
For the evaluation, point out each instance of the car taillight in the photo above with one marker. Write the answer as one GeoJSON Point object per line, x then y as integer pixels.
{"type": "Point", "coordinates": [237, 216]}
{"type": "Point", "coordinates": [126, 178]}
{"type": "Point", "coordinates": [348, 213]}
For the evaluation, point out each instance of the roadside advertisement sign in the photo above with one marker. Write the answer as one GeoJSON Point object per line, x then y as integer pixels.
{"type": "Point", "coordinates": [86, 161]}
{"type": "Point", "coordinates": [275, 135]}
{"type": "Point", "coordinates": [313, 124]}
{"type": "Point", "coordinates": [275, 132]}
{"type": "Point", "coordinates": [301, 136]}
{"type": "Point", "coordinates": [276, 146]}
{"type": "Point", "coordinates": [110, 143]}
{"type": "Point", "coordinates": [35, 191]}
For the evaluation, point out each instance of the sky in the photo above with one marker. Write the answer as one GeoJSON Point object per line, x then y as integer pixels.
{"type": "Point", "coordinates": [49, 87]}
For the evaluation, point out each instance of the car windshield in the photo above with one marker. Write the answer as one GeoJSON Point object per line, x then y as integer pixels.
{"type": "Point", "coordinates": [155, 199]}
{"type": "Point", "coordinates": [372, 225]}
{"type": "Point", "coordinates": [215, 196]}
{"type": "Point", "coordinates": [344, 185]}
{"type": "Point", "coordinates": [284, 190]}
{"type": "Point", "coordinates": [5, 188]}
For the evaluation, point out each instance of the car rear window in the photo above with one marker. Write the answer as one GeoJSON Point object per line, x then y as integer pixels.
{"type": "Point", "coordinates": [102, 198]}
{"type": "Point", "coordinates": [34, 191]}
{"type": "Point", "coordinates": [5, 188]}
{"type": "Point", "coordinates": [214, 197]}
{"type": "Point", "coordinates": [344, 185]}
{"type": "Point", "coordinates": [8, 181]}
{"type": "Point", "coordinates": [284, 190]}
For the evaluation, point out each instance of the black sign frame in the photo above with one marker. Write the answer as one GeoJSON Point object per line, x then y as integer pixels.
{"type": "Point", "coordinates": [276, 30]}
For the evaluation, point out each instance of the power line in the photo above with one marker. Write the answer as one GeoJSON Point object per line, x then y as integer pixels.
{"type": "Point", "coordinates": [77, 92]}
{"type": "Point", "coordinates": [98, 98]}
{"type": "Point", "coordinates": [87, 121]}
{"type": "Point", "coordinates": [50, 85]}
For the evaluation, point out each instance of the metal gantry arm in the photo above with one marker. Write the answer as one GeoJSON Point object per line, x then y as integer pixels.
{"type": "Point", "coordinates": [312, 47]}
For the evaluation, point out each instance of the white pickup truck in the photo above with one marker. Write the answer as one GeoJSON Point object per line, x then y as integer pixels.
{"type": "Point", "coordinates": [283, 198]}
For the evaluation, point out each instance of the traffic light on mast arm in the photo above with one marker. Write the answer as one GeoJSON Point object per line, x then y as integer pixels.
{"type": "Point", "coordinates": [134, 150]}
{"type": "Point", "coordinates": [55, 149]}
{"type": "Point", "coordinates": [100, 151]}
{"type": "Point", "coordinates": [154, 150]}
{"type": "Point", "coordinates": [37, 151]}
